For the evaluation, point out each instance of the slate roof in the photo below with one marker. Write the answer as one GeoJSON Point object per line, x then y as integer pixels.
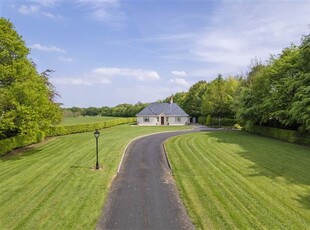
{"type": "Point", "coordinates": [155, 109]}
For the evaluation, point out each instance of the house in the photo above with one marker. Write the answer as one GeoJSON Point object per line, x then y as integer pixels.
{"type": "Point", "coordinates": [162, 114]}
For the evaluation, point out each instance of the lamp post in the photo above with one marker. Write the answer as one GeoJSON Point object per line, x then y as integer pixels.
{"type": "Point", "coordinates": [96, 134]}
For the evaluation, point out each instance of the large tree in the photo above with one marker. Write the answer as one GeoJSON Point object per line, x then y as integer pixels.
{"type": "Point", "coordinates": [278, 94]}
{"type": "Point", "coordinates": [218, 97]}
{"type": "Point", "coordinates": [26, 98]}
{"type": "Point", "coordinates": [193, 99]}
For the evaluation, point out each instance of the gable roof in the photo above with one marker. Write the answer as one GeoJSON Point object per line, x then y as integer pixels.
{"type": "Point", "coordinates": [162, 108]}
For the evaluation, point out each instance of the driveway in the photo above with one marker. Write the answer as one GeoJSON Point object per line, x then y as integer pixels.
{"type": "Point", "coordinates": [144, 194]}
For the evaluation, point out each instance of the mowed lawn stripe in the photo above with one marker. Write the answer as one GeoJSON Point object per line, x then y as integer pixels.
{"type": "Point", "coordinates": [234, 167]}
{"type": "Point", "coordinates": [54, 186]}
{"type": "Point", "coordinates": [224, 172]}
{"type": "Point", "coordinates": [223, 205]}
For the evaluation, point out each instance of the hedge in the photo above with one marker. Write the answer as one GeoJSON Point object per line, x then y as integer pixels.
{"type": "Point", "coordinates": [80, 128]}
{"type": "Point", "coordinates": [291, 136]}
{"type": "Point", "coordinates": [214, 121]}
{"type": "Point", "coordinates": [9, 144]}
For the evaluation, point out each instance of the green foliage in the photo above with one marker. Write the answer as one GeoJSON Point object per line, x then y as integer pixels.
{"type": "Point", "coordinates": [208, 120]}
{"type": "Point", "coordinates": [216, 121]}
{"type": "Point", "coordinates": [291, 136]}
{"type": "Point", "coordinates": [84, 120]}
{"type": "Point", "coordinates": [121, 110]}
{"type": "Point", "coordinates": [11, 143]}
{"type": "Point", "coordinates": [218, 97]}
{"type": "Point", "coordinates": [178, 98]}
{"type": "Point", "coordinates": [26, 97]}
{"type": "Point", "coordinates": [19, 141]}
{"type": "Point", "coordinates": [193, 99]}
{"type": "Point", "coordinates": [202, 120]}
{"type": "Point", "coordinates": [278, 94]}
{"type": "Point", "coordinates": [80, 128]}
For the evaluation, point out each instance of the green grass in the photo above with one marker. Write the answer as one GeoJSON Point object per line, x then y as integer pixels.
{"type": "Point", "coordinates": [84, 120]}
{"type": "Point", "coordinates": [53, 186]}
{"type": "Point", "coordinates": [235, 180]}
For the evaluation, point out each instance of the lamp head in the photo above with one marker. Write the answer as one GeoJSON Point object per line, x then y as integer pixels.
{"type": "Point", "coordinates": [96, 133]}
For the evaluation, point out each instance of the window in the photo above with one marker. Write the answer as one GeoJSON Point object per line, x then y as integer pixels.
{"type": "Point", "coordinates": [146, 119]}
{"type": "Point", "coordinates": [157, 119]}
{"type": "Point", "coordinates": [178, 119]}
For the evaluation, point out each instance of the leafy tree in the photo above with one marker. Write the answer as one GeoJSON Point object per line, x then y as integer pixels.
{"type": "Point", "coordinates": [178, 98]}
{"type": "Point", "coordinates": [217, 99]}
{"type": "Point", "coordinates": [193, 99]}
{"type": "Point", "coordinates": [26, 97]}
{"type": "Point", "coordinates": [278, 94]}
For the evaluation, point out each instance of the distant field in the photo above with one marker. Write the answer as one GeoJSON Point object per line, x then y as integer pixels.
{"type": "Point", "coordinates": [53, 186]}
{"type": "Point", "coordinates": [235, 180]}
{"type": "Point", "coordinates": [83, 120]}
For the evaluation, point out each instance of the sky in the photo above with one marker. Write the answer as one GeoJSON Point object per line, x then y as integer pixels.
{"type": "Point", "coordinates": [109, 52]}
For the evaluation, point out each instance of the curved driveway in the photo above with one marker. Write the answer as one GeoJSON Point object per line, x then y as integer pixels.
{"type": "Point", "coordinates": [144, 195]}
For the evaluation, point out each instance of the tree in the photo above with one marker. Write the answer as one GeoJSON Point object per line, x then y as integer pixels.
{"type": "Point", "coordinates": [217, 99]}
{"type": "Point", "coordinates": [26, 97]}
{"type": "Point", "coordinates": [193, 99]}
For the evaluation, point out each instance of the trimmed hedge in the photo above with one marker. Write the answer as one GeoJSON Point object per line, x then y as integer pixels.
{"type": "Point", "coordinates": [291, 136]}
{"type": "Point", "coordinates": [80, 128]}
{"type": "Point", "coordinates": [214, 121]}
{"type": "Point", "coordinates": [9, 144]}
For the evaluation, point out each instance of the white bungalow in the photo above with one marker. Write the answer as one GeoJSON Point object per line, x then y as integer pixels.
{"type": "Point", "coordinates": [162, 114]}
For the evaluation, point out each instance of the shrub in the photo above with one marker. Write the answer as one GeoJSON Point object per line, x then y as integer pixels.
{"type": "Point", "coordinates": [80, 128]}
{"type": "Point", "coordinates": [208, 120]}
{"type": "Point", "coordinates": [202, 120]}
{"type": "Point", "coordinates": [9, 144]}
{"type": "Point", "coordinates": [291, 136]}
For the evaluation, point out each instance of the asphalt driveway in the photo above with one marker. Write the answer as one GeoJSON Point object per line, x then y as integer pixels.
{"type": "Point", "coordinates": [144, 195]}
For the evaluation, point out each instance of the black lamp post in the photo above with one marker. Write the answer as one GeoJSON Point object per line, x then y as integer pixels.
{"type": "Point", "coordinates": [96, 134]}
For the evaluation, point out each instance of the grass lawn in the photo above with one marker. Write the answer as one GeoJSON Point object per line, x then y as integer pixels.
{"type": "Point", "coordinates": [235, 180]}
{"type": "Point", "coordinates": [84, 120]}
{"type": "Point", "coordinates": [53, 186]}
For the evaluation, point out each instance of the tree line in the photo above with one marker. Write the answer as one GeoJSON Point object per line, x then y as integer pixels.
{"type": "Point", "coordinates": [121, 110]}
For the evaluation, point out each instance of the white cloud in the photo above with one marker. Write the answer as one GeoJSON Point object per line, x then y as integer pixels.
{"type": "Point", "coordinates": [179, 82]}
{"type": "Point", "coordinates": [102, 76]}
{"type": "Point", "coordinates": [38, 7]}
{"type": "Point", "coordinates": [105, 11]}
{"type": "Point", "coordinates": [47, 48]}
{"type": "Point", "coordinates": [31, 9]}
{"type": "Point", "coordinates": [66, 59]}
{"type": "Point", "coordinates": [241, 32]}
{"type": "Point", "coordinates": [86, 81]}
{"type": "Point", "coordinates": [179, 73]}
{"type": "Point", "coordinates": [46, 3]}
{"type": "Point", "coordinates": [139, 74]}
{"type": "Point", "coordinates": [51, 16]}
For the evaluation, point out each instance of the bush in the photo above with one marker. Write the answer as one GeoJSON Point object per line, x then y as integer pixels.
{"type": "Point", "coordinates": [9, 144]}
{"type": "Point", "coordinates": [291, 136]}
{"type": "Point", "coordinates": [216, 122]}
{"type": "Point", "coordinates": [80, 128]}
{"type": "Point", "coordinates": [208, 120]}
{"type": "Point", "coordinates": [202, 120]}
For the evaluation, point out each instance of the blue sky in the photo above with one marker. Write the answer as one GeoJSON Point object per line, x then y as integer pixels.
{"type": "Point", "coordinates": [107, 52]}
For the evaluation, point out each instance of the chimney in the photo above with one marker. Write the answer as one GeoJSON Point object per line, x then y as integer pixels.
{"type": "Point", "coordinates": [171, 99]}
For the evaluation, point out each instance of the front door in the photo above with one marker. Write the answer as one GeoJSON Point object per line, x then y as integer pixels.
{"type": "Point", "coordinates": [162, 120]}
